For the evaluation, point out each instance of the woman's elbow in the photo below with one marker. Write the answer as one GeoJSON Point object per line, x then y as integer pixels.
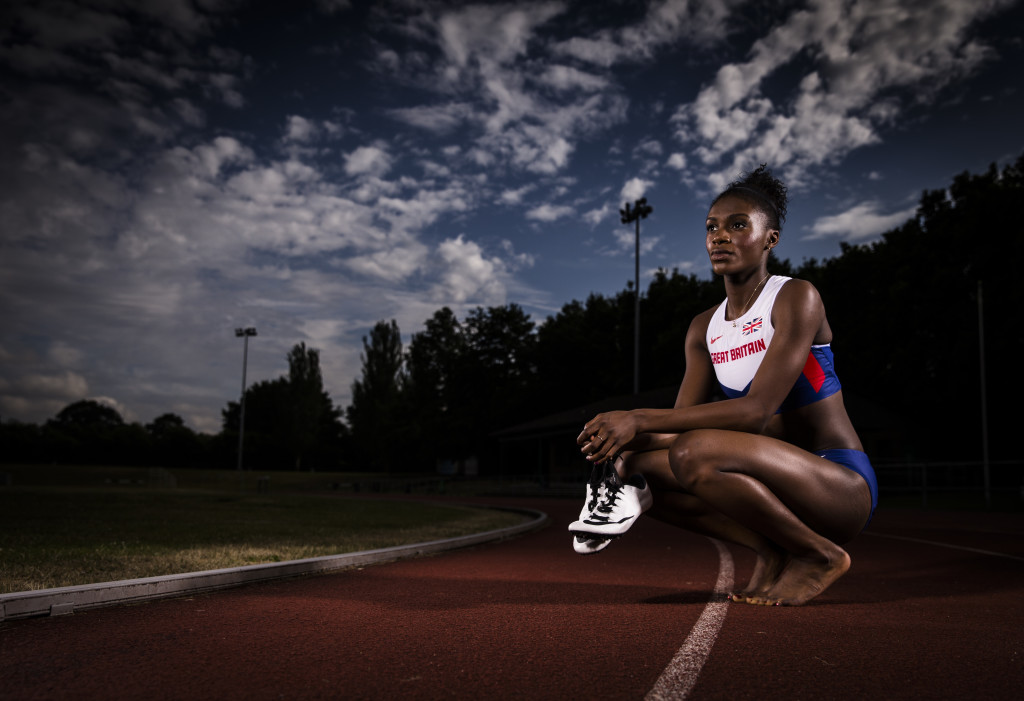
{"type": "Point", "coordinates": [757, 417]}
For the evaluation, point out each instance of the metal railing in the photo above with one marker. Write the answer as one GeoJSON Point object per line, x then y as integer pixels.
{"type": "Point", "coordinates": [1002, 481]}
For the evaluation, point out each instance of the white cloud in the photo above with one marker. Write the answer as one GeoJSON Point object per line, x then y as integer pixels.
{"type": "Point", "coordinates": [189, 113]}
{"type": "Point", "coordinates": [416, 212]}
{"type": "Point", "coordinates": [468, 276]}
{"type": "Point", "coordinates": [550, 213]}
{"type": "Point", "coordinates": [487, 82]}
{"type": "Point", "coordinates": [665, 23]}
{"type": "Point", "coordinates": [392, 265]}
{"type": "Point", "coordinates": [647, 148]}
{"type": "Point", "coordinates": [514, 197]}
{"type": "Point", "coordinates": [222, 151]}
{"type": "Point", "coordinates": [634, 189]}
{"type": "Point", "coordinates": [517, 260]}
{"type": "Point", "coordinates": [368, 160]}
{"type": "Point", "coordinates": [496, 34]}
{"type": "Point", "coordinates": [440, 119]}
{"type": "Point", "coordinates": [860, 52]}
{"type": "Point", "coordinates": [596, 216]}
{"type": "Point", "coordinates": [41, 391]}
{"type": "Point", "coordinates": [300, 130]}
{"type": "Point", "coordinates": [226, 87]}
{"type": "Point", "coordinates": [566, 78]}
{"type": "Point", "coordinates": [625, 239]}
{"type": "Point", "coordinates": [65, 385]}
{"type": "Point", "coordinates": [859, 223]}
{"type": "Point", "coordinates": [676, 161]}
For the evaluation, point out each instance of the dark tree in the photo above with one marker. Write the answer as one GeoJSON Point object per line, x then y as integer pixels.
{"type": "Point", "coordinates": [501, 349]}
{"type": "Point", "coordinates": [173, 444]}
{"type": "Point", "coordinates": [88, 414]}
{"type": "Point", "coordinates": [377, 416]}
{"type": "Point", "coordinates": [290, 422]}
{"type": "Point", "coordinates": [166, 424]}
{"type": "Point", "coordinates": [439, 389]}
{"type": "Point", "coordinates": [584, 352]}
{"type": "Point", "coordinates": [308, 408]}
{"type": "Point", "coordinates": [87, 432]}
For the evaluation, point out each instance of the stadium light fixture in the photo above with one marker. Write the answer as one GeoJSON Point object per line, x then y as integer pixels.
{"type": "Point", "coordinates": [630, 215]}
{"type": "Point", "coordinates": [243, 334]}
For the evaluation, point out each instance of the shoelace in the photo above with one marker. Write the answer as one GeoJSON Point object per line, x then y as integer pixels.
{"type": "Point", "coordinates": [607, 505]}
{"type": "Point", "coordinates": [597, 495]}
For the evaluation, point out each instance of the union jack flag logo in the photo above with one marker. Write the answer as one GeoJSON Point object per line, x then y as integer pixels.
{"type": "Point", "coordinates": [752, 326]}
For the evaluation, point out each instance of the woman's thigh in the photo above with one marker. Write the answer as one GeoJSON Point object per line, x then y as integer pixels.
{"type": "Point", "coordinates": [654, 466]}
{"type": "Point", "coordinates": [831, 499]}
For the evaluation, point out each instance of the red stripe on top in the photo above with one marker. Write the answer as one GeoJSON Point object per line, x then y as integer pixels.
{"type": "Point", "coordinates": [813, 372]}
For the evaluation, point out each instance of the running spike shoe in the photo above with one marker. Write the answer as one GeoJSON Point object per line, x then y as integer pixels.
{"type": "Point", "coordinates": [619, 504]}
{"type": "Point", "coordinates": [584, 543]}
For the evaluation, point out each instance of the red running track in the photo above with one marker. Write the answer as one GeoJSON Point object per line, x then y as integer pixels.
{"type": "Point", "coordinates": [933, 608]}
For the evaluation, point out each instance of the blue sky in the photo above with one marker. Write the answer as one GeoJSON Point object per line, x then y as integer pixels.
{"type": "Point", "coordinates": [172, 170]}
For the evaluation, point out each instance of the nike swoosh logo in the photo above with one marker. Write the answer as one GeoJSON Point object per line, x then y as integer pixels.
{"type": "Point", "coordinates": [598, 521]}
{"type": "Point", "coordinates": [716, 338]}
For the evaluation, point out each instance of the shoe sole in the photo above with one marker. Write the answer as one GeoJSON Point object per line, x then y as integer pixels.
{"type": "Point", "coordinates": [589, 546]}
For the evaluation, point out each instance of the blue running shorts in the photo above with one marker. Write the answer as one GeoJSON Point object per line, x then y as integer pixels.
{"type": "Point", "coordinates": [857, 461]}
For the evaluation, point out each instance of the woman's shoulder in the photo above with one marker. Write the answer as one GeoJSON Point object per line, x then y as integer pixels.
{"type": "Point", "coordinates": [795, 290]}
{"type": "Point", "coordinates": [799, 303]}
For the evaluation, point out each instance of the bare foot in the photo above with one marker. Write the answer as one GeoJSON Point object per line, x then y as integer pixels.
{"type": "Point", "coordinates": [767, 569]}
{"type": "Point", "coordinates": [804, 578]}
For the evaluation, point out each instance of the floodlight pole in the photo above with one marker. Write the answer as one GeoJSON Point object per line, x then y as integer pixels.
{"type": "Point", "coordinates": [630, 215]}
{"type": "Point", "coordinates": [984, 401]}
{"type": "Point", "coordinates": [244, 334]}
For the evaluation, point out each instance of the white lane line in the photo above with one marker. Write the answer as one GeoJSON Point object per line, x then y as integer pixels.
{"type": "Point", "coordinates": [945, 545]}
{"type": "Point", "coordinates": [681, 674]}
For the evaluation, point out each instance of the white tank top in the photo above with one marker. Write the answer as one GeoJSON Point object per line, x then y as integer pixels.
{"type": "Point", "coordinates": [738, 346]}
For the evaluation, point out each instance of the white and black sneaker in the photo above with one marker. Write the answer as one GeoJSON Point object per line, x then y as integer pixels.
{"type": "Point", "coordinates": [585, 543]}
{"type": "Point", "coordinates": [618, 505]}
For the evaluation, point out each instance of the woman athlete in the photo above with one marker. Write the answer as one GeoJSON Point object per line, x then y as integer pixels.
{"type": "Point", "coordinates": [776, 466]}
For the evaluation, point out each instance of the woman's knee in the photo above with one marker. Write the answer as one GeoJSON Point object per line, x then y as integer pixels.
{"type": "Point", "coordinates": [691, 457]}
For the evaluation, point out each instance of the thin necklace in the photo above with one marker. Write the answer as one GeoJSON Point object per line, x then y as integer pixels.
{"type": "Point", "coordinates": [748, 299]}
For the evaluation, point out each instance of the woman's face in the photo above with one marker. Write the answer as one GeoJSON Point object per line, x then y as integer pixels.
{"type": "Point", "coordinates": [738, 235]}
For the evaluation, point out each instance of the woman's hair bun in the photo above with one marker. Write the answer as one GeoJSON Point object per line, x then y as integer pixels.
{"type": "Point", "coordinates": [766, 189]}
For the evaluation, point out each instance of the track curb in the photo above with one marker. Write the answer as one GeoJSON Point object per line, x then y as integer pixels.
{"type": "Point", "coordinates": [65, 600]}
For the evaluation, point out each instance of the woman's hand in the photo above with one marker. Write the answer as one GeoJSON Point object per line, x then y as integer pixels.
{"type": "Point", "coordinates": [606, 435]}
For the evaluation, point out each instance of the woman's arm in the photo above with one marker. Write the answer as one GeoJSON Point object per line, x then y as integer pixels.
{"type": "Point", "coordinates": [698, 382]}
{"type": "Point", "coordinates": [797, 316]}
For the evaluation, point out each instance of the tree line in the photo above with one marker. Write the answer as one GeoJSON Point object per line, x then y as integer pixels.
{"type": "Point", "coordinates": [916, 315]}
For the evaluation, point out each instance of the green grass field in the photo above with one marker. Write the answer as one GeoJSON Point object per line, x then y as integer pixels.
{"type": "Point", "coordinates": [111, 524]}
